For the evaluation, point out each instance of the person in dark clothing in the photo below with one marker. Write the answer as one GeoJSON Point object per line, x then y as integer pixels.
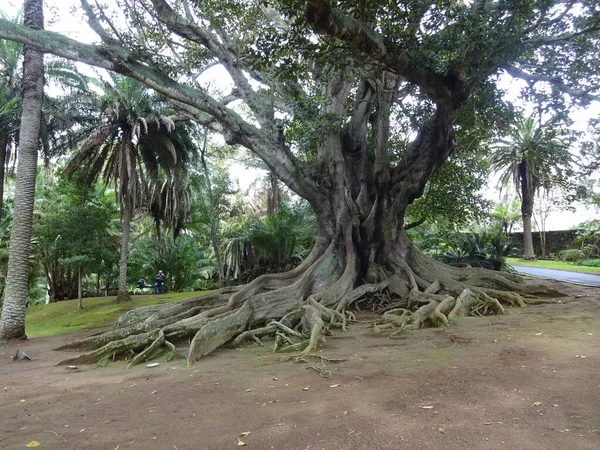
{"type": "Point", "coordinates": [160, 282]}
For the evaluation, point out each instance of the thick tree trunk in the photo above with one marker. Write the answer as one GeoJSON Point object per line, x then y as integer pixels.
{"type": "Point", "coordinates": [123, 293]}
{"type": "Point", "coordinates": [527, 198]}
{"type": "Point", "coordinates": [213, 216]}
{"type": "Point", "coordinates": [12, 322]}
{"type": "Point", "coordinates": [299, 308]}
{"type": "Point", "coordinates": [362, 253]}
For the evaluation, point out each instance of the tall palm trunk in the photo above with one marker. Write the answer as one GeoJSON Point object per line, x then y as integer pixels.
{"type": "Point", "coordinates": [12, 322]}
{"type": "Point", "coordinates": [213, 215]}
{"type": "Point", "coordinates": [527, 195]}
{"type": "Point", "coordinates": [123, 294]}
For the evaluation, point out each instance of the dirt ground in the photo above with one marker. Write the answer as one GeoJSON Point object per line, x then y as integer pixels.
{"type": "Point", "coordinates": [526, 380]}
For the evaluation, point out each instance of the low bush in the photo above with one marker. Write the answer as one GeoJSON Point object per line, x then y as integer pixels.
{"type": "Point", "coordinates": [571, 255]}
{"type": "Point", "coordinates": [590, 262]}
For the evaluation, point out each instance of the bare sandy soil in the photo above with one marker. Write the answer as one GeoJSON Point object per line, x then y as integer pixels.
{"type": "Point", "coordinates": [527, 380]}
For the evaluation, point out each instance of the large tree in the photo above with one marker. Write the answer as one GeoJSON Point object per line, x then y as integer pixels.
{"type": "Point", "coordinates": [326, 86]}
{"type": "Point", "coordinates": [12, 322]}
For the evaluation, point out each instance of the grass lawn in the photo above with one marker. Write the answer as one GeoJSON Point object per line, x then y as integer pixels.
{"type": "Point", "coordinates": [559, 265]}
{"type": "Point", "coordinates": [63, 317]}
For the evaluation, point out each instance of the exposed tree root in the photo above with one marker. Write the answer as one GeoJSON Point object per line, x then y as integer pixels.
{"type": "Point", "coordinates": [298, 309]}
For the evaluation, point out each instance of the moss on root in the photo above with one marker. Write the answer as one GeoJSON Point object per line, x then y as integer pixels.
{"type": "Point", "coordinates": [300, 308]}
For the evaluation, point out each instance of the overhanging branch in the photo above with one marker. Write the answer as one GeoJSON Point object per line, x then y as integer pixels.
{"type": "Point", "coordinates": [120, 60]}
{"type": "Point", "coordinates": [556, 82]}
{"type": "Point", "coordinates": [326, 19]}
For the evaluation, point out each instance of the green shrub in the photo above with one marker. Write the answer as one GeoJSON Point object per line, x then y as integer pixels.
{"type": "Point", "coordinates": [590, 262]}
{"type": "Point", "coordinates": [571, 255]}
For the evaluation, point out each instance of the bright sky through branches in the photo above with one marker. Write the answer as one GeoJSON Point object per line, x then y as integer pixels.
{"type": "Point", "coordinates": [67, 17]}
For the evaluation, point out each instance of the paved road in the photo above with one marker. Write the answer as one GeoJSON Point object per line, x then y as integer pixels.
{"type": "Point", "coordinates": [562, 275]}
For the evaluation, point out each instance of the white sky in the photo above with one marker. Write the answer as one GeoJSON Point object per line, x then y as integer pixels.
{"type": "Point", "coordinates": [65, 16]}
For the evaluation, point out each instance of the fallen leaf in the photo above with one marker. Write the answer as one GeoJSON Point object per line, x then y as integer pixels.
{"type": "Point", "coordinates": [425, 407]}
{"type": "Point", "coordinates": [33, 444]}
{"type": "Point", "coordinates": [241, 443]}
{"type": "Point", "coordinates": [334, 385]}
{"type": "Point", "coordinates": [536, 403]}
{"type": "Point", "coordinates": [245, 433]}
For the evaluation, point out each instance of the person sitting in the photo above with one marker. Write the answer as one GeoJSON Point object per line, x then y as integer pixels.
{"type": "Point", "coordinates": [160, 282]}
{"type": "Point", "coordinates": [142, 287]}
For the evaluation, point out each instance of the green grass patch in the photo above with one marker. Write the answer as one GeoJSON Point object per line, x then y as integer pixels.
{"type": "Point", "coordinates": [558, 265]}
{"type": "Point", "coordinates": [63, 317]}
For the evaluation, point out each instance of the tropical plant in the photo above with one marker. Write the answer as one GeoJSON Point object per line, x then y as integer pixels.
{"type": "Point", "coordinates": [571, 255]}
{"type": "Point", "coordinates": [74, 235]}
{"type": "Point", "coordinates": [185, 263]}
{"type": "Point", "coordinates": [10, 101]}
{"type": "Point", "coordinates": [595, 262]}
{"type": "Point", "coordinates": [133, 146]}
{"type": "Point", "coordinates": [588, 237]}
{"type": "Point", "coordinates": [487, 249]}
{"type": "Point", "coordinates": [12, 321]}
{"type": "Point", "coordinates": [535, 156]}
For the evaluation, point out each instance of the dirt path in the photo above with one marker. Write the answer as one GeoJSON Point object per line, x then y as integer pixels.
{"type": "Point", "coordinates": [527, 380]}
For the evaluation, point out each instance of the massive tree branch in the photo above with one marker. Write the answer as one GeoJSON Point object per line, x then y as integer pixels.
{"type": "Point", "coordinates": [192, 32]}
{"type": "Point", "coordinates": [236, 130]}
{"type": "Point", "coordinates": [328, 20]}
{"type": "Point", "coordinates": [556, 82]}
{"type": "Point", "coordinates": [425, 155]}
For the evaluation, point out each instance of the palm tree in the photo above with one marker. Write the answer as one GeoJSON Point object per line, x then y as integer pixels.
{"type": "Point", "coordinates": [65, 117]}
{"type": "Point", "coordinates": [10, 98]}
{"type": "Point", "coordinates": [535, 156]}
{"type": "Point", "coordinates": [131, 148]}
{"type": "Point", "coordinates": [178, 186]}
{"type": "Point", "coordinates": [12, 321]}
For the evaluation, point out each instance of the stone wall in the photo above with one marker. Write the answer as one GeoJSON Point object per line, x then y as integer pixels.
{"type": "Point", "coordinates": [555, 241]}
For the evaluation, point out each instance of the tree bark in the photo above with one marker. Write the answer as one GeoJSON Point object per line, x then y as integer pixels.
{"type": "Point", "coordinates": [213, 216]}
{"type": "Point", "coordinates": [79, 292]}
{"type": "Point", "coordinates": [12, 322]}
{"type": "Point", "coordinates": [123, 293]}
{"type": "Point", "coordinates": [527, 198]}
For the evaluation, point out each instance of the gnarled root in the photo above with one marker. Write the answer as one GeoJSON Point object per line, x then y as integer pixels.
{"type": "Point", "coordinates": [298, 309]}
